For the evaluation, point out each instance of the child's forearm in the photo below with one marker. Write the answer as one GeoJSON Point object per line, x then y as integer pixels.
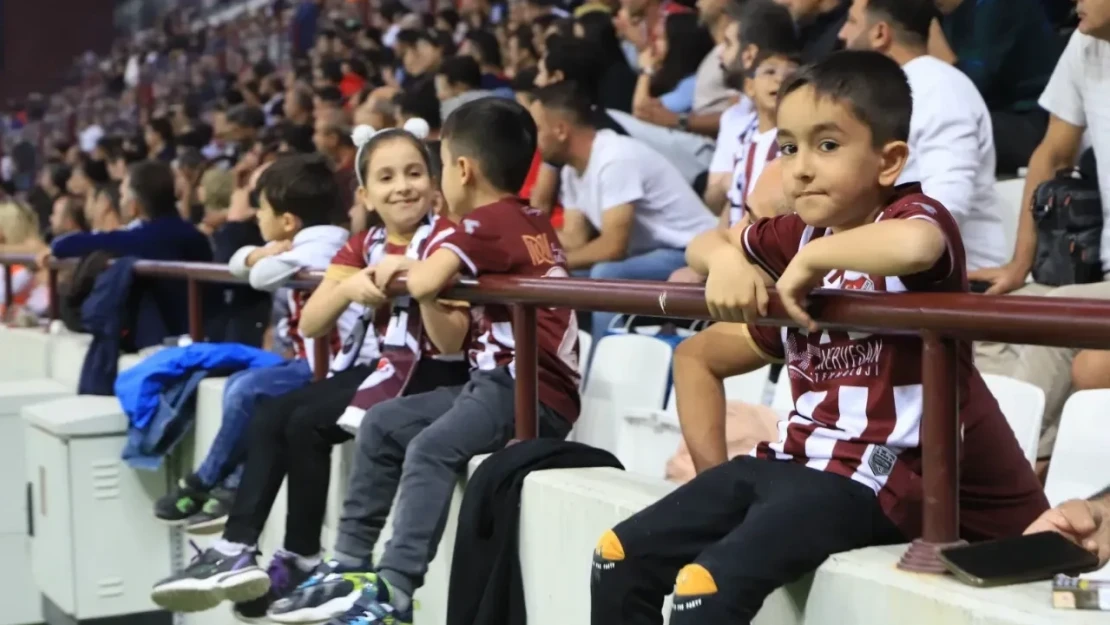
{"type": "Point", "coordinates": [887, 248]}
{"type": "Point", "coordinates": [322, 309]}
{"type": "Point", "coordinates": [706, 246]}
{"type": "Point", "coordinates": [446, 327]}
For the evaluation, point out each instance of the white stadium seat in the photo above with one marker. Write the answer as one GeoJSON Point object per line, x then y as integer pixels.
{"type": "Point", "coordinates": [1022, 404]}
{"type": "Point", "coordinates": [629, 372]}
{"type": "Point", "coordinates": [1079, 468]}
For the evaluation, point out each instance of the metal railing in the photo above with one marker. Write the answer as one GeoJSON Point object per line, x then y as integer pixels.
{"type": "Point", "coordinates": [940, 319]}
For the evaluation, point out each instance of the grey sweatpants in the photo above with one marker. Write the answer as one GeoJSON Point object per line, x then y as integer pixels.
{"type": "Point", "coordinates": [421, 444]}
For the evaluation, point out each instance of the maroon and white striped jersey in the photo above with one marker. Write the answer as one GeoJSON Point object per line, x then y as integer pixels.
{"type": "Point", "coordinates": [756, 150]}
{"type": "Point", "coordinates": [858, 396]}
{"type": "Point", "coordinates": [510, 237]}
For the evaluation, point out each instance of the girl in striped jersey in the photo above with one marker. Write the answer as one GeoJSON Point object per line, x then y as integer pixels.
{"type": "Point", "coordinates": [293, 436]}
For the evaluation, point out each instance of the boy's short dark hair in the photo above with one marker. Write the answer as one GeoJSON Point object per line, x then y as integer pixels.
{"type": "Point", "coordinates": [152, 184]}
{"type": "Point", "coordinates": [871, 84]}
{"type": "Point", "coordinates": [302, 185]}
{"type": "Point", "coordinates": [768, 26]}
{"type": "Point", "coordinates": [461, 70]}
{"type": "Point", "coordinates": [567, 98]}
{"type": "Point", "coordinates": [909, 18]}
{"type": "Point", "coordinates": [499, 134]}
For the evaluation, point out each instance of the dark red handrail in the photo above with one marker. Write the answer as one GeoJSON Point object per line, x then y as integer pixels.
{"type": "Point", "coordinates": [941, 319]}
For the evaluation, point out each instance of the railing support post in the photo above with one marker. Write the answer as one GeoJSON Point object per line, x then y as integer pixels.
{"type": "Point", "coordinates": [196, 307]}
{"type": "Point", "coordinates": [527, 371]}
{"type": "Point", "coordinates": [8, 293]}
{"type": "Point", "coordinates": [321, 357]}
{"type": "Point", "coordinates": [52, 290]}
{"type": "Point", "coordinates": [940, 445]}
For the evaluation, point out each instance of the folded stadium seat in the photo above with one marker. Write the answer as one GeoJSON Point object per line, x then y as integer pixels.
{"type": "Point", "coordinates": [1022, 404]}
{"type": "Point", "coordinates": [649, 437]}
{"type": "Point", "coordinates": [629, 372]}
{"type": "Point", "coordinates": [1079, 468]}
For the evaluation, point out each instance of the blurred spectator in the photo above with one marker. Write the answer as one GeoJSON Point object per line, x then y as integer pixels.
{"type": "Point", "coordinates": [617, 81]}
{"type": "Point", "coordinates": [819, 23]}
{"type": "Point", "coordinates": [1008, 49]}
{"type": "Point", "coordinates": [669, 68]}
{"type": "Point", "coordinates": [628, 212]}
{"type": "Point", "coordinates": [458, 81]}
{"type": "Point", "coordinates": [951, 144]}
{"type": "Point", "coordinates": [159, 137]}
{"type": "Point", "coordinates": [333, 140]}
{"type": "Point", "coordinates": [483, 47]}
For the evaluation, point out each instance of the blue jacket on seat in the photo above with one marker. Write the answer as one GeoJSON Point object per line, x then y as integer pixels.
{"type": "Point", "coordinates": [110, 311]}
{"type": "Point", "coordinates": [158, 394]}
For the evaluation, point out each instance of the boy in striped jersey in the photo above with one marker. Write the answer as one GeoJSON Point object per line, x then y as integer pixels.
{"type": "Point", "coordinates": [844, 471]}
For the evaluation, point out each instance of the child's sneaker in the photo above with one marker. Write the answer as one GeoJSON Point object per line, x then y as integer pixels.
{"type": "Point", "coordinates": [374, 608]}
{"type": "Point", "coordinates": [330, 591]}
{"type": "Point", "coordinates": [213, 514]}
{"type": "Point", "coordinates": [209, 579]}
{"type": "Point", "coordinates": [187, 499]}
{"type": "Point", "coordinates": [284, 576]}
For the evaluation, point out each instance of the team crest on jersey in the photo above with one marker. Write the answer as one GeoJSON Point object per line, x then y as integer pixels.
{"type": "Point", "coordinates": [881, 461]}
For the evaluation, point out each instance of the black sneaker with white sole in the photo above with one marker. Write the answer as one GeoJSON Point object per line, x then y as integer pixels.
{"type": "Point", "coordinates": [213, 514]}
{"type": "Point", "coordinates": [211, 578]}
{"type": "Point", "coordinates": [182, 502]}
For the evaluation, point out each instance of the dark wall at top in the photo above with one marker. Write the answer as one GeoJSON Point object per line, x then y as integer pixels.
{"type": "Point", "coordinates": [40, 38]}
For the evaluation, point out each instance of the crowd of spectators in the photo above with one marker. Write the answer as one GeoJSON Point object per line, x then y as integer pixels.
{"type": "Point", "coordinates": [656, 123]}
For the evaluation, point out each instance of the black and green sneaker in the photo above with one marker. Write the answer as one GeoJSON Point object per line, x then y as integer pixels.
{"type": "Point", "coordinates": [187, 499]}
{"type": "Point", "coordinates": [213, 514]}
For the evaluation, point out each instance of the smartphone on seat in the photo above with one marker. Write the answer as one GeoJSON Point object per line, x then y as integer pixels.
{"type": "Point", "coordinates": [1017, 560]}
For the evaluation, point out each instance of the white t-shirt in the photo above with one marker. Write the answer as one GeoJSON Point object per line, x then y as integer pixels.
{"type": "Point", "coordinates": [735, 121]}
{"type": "Point", "coordinates": [1079, 94]}
{"type": "Point", "coordinates": [952, 156]}
{"type": "Point", "coordinates": [756, 150]}
{"type": "Point", "coordinates": [622, 170]}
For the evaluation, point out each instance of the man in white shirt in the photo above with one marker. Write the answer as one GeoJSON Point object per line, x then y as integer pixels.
{"type": "Point", "coordinates": [629, 212]}
{"type": "Point", "coordinates": [1076, 98]}
{"type": "Point", "coordinates": [951, 141]}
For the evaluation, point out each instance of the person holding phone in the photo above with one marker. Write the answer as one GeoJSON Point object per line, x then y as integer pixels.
{"type": "Point", "coordinates": [1086, 522]}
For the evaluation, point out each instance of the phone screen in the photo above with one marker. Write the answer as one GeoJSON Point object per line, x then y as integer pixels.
{"type": "Point", "coordinates": [1025, 558]}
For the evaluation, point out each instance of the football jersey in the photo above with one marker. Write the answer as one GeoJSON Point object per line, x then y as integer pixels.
{"type": "Point", "coordinates": [756, 150]}
{"type": "Point", "coordinates": [509, 237]}
{"type": "Point", "coordinates": [858, 396]}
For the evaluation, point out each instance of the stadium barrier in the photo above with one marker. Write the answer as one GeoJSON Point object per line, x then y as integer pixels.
{"type": "Point", "coordinates": [942, 320]}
